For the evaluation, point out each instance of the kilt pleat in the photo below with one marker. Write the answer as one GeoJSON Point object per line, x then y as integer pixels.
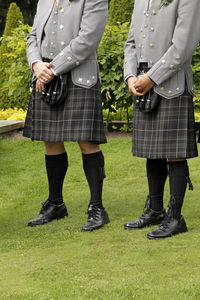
{"type": "Point", "coordinates": [166, 132]}
{"type": "Point", "coordinates": [79, 118]}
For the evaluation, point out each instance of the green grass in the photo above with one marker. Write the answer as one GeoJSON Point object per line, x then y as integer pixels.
{"type": "Point", "coordinates": [58, 261]}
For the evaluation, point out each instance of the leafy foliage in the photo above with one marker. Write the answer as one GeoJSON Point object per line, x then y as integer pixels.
{"type": "Point", "coordinates": [120, 11]}
{"type": "Point", "coordinates": [13, 19]}
{"type": "Point", "coordinates": [18, 75]}
{"type": "Point", "coordinates": [196, 72]}
{"type": "Point", "coordinates": [9, 54]}
{"type": "Point", "coordinates": [110, 56]}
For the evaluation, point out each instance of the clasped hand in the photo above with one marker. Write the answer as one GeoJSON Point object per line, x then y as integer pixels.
{"type": "Point", "coordinates": [43, 74]}
{"type": "Point", "coordinates": [139, 86]}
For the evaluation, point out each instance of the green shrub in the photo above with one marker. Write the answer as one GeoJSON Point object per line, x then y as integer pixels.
{"type": "Point", "coordinates": [19, 74]}
{"type": "Point", "coordinates": [13, 19]}
{"type": "Point", "coordinates": [110, 57]}
{"type": "Point", "coordinates": [120, 11]}
{"type": "Point", "coordinates": [196, 72]}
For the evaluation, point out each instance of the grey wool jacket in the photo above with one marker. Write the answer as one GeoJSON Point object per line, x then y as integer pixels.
{"type": "Point", "coordinates": [81, 24]}
{"type": "Point", "coordinates": [165, 37]}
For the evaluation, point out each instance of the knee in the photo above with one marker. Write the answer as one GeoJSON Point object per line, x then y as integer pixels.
{"type": "Point", "coordinates": [53, 148]}
{"type": "Point", "coordinates": [88, 147]}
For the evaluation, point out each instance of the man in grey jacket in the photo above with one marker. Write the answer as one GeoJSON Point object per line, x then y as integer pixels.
{"type": "Point", "coordinates": [162, 38]}
{"type": "Point", "coordinates": [63, 41]}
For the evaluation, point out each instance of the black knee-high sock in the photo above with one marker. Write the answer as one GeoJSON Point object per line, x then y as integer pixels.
{"type": "Point", "coordinates": [93, 165]}
{"type": "Point", "coordinates": [157, 175]}
{"type": "Point", "coordinates": [178, 179]}
{"type": "Point", "coordinates": [56, 166]}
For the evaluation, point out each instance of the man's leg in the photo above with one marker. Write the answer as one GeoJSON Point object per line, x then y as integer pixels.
{"type": "Point", "coordinates": [174, 222]}
{"type": "Point", "coordinates": [93, 165]}
{"type": "Point", "coordinates": [154, 213]}
{"type": "Point", "coordinates": [56, 167]}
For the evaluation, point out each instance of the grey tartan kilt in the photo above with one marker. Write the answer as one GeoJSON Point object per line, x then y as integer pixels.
{"type": "Point", "coordinates": [166, 132]}
{"type": "Point", "coordinates": [79, 118]}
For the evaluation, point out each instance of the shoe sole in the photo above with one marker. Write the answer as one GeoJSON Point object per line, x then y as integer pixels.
{"type": "Point", "coordinates": [96, 228]}
{"type": "Point", "coordinates": [164, 237]}
{"type": "Point", "coordinates": [148, 225]}
{"type": "Point", "coordinates": [34, 225]}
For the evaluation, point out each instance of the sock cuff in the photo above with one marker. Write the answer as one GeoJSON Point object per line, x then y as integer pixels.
{"type": "Point", "coordinates": [178, 168]}
{"type": "Point", "coordinates": [56, 156]}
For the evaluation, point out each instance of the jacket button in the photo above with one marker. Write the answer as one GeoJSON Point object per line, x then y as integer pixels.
{"type": "Point", "coordinates": [62, 43]}
{"type": "Point", "coordinates": [61, 26]}
{"type": "Point", "coordinates": [169, 92]}
{"type": "Point", "coordinates": [77, 63]}
{"type": "Point", "coordinates": [162, 88]}
{"type": "Point", "coordinates": [177, 89]}
{"type": "Point", "coordinates": [171, 67]}
{"type": "Point", "coordinates": [151, 45]}
{"type": "Point", "coordinates": [80, 79]}
{"type": "Point", "coordinates": [163, 61]}
{"type": "Point", "coordinates": [69, 58]}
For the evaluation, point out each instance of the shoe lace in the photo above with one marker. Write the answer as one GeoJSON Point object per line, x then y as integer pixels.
{"type": "Point", "coordinates": [165, 223]}
{"type": "Point", "coordinates": [93, 212]}
{"type": "Point", "coordinates": [45, 205]}
{"type": "Point", "coordinates": [146, 206]}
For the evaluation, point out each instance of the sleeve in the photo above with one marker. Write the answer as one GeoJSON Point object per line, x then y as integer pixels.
{"type": "Point", "coordinates": [92, 27]}
{"type": "Point", "coordinates": [184, 42]}
{"type": "Point", "coordinates": [130, 56]}
{"type": "Point", "coordinates": [33, 53]}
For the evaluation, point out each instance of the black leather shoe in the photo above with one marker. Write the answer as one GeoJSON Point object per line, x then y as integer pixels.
{"type": "Point", "coordinates": [48, 213]}
{"type": "Point", "coordinates": [97, 218]}
{"type": "Point", "coordinates": [169, 227]}
{"type": "Point", "coordinates": [148, 218]}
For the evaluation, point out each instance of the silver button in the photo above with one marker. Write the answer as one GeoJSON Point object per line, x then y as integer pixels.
{"type": "Point", "coordinates": [151, 63]}
{"type": "Point", "coordinates": [31, 51]}
{"type": "Point", "coordinates": [77, 63]}
{"type": "Point", "coordinates": [147, 15]}
{"type": "Point", "coordinates": [62, 43]}
{"type": "Point", "coordinates": [163, 61]}
{"type": "Point", "coordinates": [152, 29]}
{"type": "Point", "coordinates": [51, 53]}
{"type": "Point", "coordinates": [52, 43]}
{"type": "Point", "coordinates": [93, 77]}
{"type": "Point", "coordinates": [151, 45]}
{"type": "Point", "coordinates": [61, 26]}
{"type": "Point", "coordinates": [154, 12]}
{"type": "Point", "coordinates": [62, 10]}
{"type": "Point", "coordinates": [88, 81]}
{"type": "Point", "coordinates": [80, 79]}
{"type": "Point", "coordinates": [53, 32]}
{"type": "Point", "coordinates": [171, 67]}
{"type": "Point", "coordinates": [145, 26]}
{"type": "Point", "coordinates": [169, 92]}
{"type": "Point", "coordinates": [69, 58]}
{"type": "Point", "coordinates": [162, 88]}
{"type": "Point", "coordinates": [56, 12]}
{"type": "Point", "coordinates": [54, 22]}
{"type": "Point", "coordinates": [177, 89]}
{"type": "Point", "coordinates": [61, 53]}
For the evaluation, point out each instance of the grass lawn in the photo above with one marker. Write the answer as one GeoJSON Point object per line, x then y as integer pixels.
{"type": "Point", "coordinates": [58, 261]}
